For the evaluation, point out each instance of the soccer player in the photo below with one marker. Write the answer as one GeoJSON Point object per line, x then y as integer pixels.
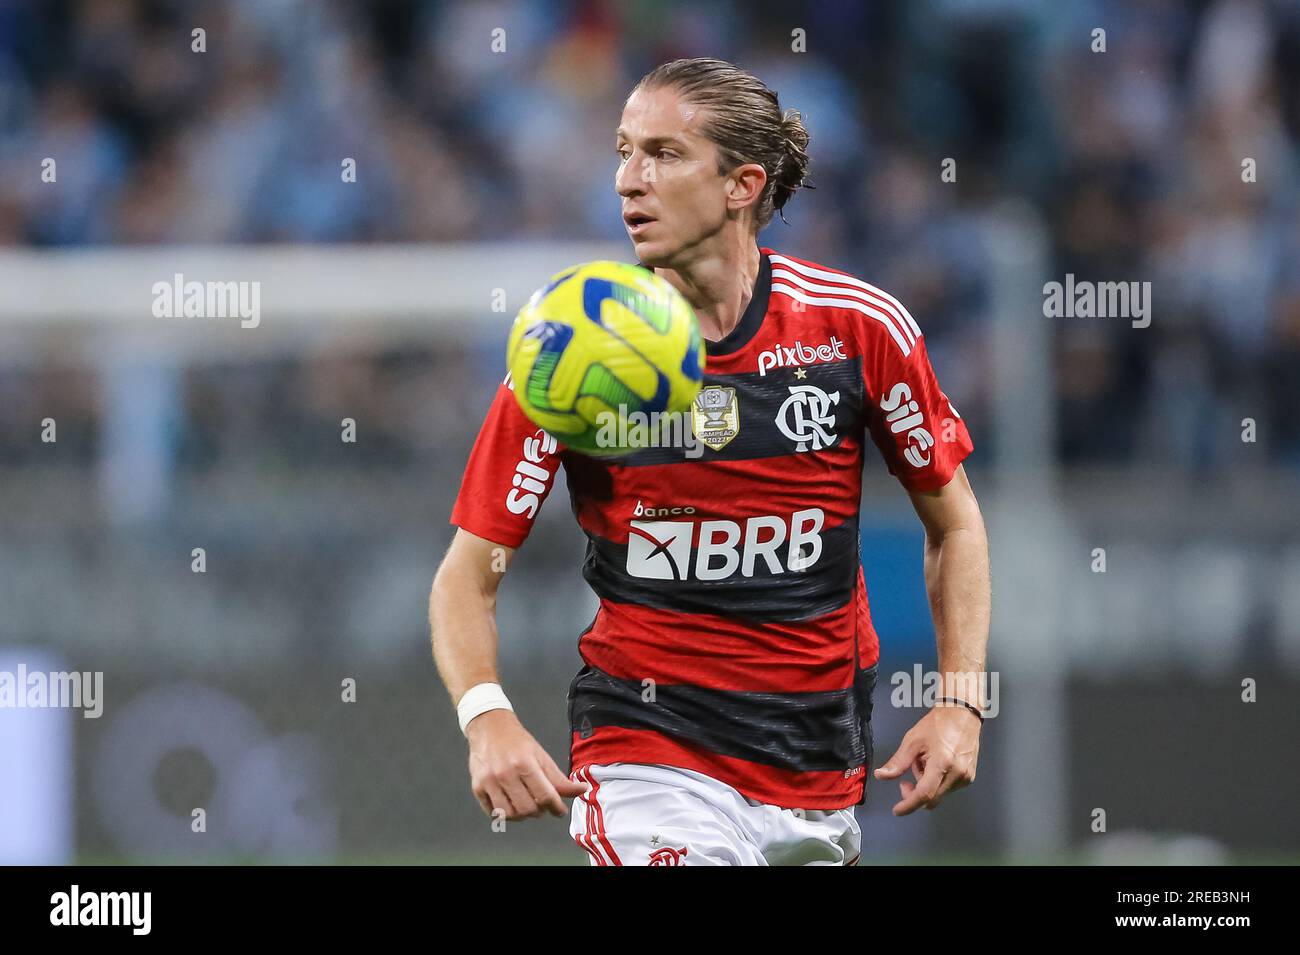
{"type": "Point", "coordinates": [722, 712]}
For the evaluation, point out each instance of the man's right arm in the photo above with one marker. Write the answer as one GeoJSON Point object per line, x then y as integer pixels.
{"type": "Point", "coordinates": [510, 472]}
{"type": "Point", "coordinates": [509, 770]}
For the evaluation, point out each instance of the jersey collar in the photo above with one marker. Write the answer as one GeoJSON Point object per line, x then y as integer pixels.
{"type": "Point", "coordinates": [752, 320]}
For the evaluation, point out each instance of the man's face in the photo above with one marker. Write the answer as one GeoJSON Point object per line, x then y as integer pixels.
{"type": "Point", "coordinates": [673, 196]}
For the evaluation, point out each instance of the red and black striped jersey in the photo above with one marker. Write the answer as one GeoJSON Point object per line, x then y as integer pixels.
{"type": "Point", "coordinates": [733, 635]}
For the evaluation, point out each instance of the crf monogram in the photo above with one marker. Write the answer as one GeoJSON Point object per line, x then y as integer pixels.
{"type": "Point", "coordinates": [806, 417]}
{"type": "Point", "coordinates": [667, 856]}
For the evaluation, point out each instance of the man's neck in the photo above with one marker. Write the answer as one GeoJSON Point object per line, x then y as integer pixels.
{"type": "Point", "coordinates": [719, 287]}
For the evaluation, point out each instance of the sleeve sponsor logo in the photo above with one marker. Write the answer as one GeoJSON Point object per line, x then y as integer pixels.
{"type": "Point", "coordinates": [530, 479]}
{"type": "Point", "coordinates": [904, 416]}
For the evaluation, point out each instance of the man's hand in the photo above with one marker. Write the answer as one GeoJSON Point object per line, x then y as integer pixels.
{"type": "Point", "coordinates": [941, 750]}
{"type": "Point", "coordinates": [510, 771]}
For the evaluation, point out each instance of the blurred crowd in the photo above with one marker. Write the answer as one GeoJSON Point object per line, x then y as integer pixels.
{"type": "Point", "coordinates": [1132, 158]}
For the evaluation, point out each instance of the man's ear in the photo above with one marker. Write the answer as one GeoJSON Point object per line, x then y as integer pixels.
{"type": "Point", "coordinates": [746, 182]}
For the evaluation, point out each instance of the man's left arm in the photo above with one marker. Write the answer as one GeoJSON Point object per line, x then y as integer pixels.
{"type": "Point", "coordinates": [943, 747]}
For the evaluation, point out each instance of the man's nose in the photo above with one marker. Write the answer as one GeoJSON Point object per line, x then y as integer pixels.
{"type": "Point", "coordinates": [630, 181]}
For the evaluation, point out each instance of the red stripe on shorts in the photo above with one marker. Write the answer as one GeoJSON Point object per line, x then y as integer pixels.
{"type": "Point", "coordinates": [600, 817]}
{"type": "Point", "coordinates": [589, 844]}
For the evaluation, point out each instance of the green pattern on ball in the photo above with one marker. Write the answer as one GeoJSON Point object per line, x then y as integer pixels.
{"type": "Point", "coordinates": [539, 377]}
{"type": "Point", "coordinates": [655, 313]}
{"type": "Point", "coordinates": [600, 382]}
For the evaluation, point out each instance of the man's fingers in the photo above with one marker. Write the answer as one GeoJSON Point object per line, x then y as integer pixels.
{"type": "Point", "coordinates": [897, 764]}
{"type": "Point", "coordinates": [543, 792]}
{"type": "Point", "coordinates": [910, 802]}
{"type": "Point", "coordinates": [566, 787]}
{"type": "Point", "coordinates": [569, 788]}
{"type": "Point", "coordinates": [524, 804]}
{"type": "Point", "coordinates": [926, 791]}
{"type": "Point", "coordinates": [954, 778]}
{"type": "Point", "coordinates": [497, 800]}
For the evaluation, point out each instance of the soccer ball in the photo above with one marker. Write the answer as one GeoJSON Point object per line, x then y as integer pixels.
{"type": "Point", "coordinates": [597, 343]}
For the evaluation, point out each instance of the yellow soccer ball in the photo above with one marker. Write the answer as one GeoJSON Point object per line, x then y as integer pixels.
{"type": "Point", "coordinates": [597, 343]}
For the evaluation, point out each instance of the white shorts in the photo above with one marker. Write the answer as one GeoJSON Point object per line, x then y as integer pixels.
{"type": "Point", "coordinates": [637, 814]}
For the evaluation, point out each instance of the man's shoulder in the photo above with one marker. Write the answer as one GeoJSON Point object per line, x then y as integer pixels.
{"type": "Point", "coordinates": [873, 312]}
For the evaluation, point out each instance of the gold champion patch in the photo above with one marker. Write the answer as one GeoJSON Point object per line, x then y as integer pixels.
{"type": "Point", "coordinates": [715, 416]}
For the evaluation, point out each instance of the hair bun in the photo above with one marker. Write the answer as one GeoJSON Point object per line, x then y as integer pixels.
{"type": "Point", "coordinates": [791, 170]}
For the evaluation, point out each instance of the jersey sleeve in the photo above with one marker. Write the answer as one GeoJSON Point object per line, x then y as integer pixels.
{"type": "Point", "coordinates": [511, 471]}
{"type": "Point", "coordinates": [920, 434]}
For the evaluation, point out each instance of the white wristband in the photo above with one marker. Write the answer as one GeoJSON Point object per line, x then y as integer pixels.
{"type": "Point", "coordinates": [478, 700]}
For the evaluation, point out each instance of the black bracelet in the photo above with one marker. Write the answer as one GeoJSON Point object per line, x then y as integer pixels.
{"type": "Point", "coordinates": [970, 706]}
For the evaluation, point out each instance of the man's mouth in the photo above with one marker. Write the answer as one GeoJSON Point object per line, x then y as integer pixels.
{"type": "Point", "coordinates": [637, 222]}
